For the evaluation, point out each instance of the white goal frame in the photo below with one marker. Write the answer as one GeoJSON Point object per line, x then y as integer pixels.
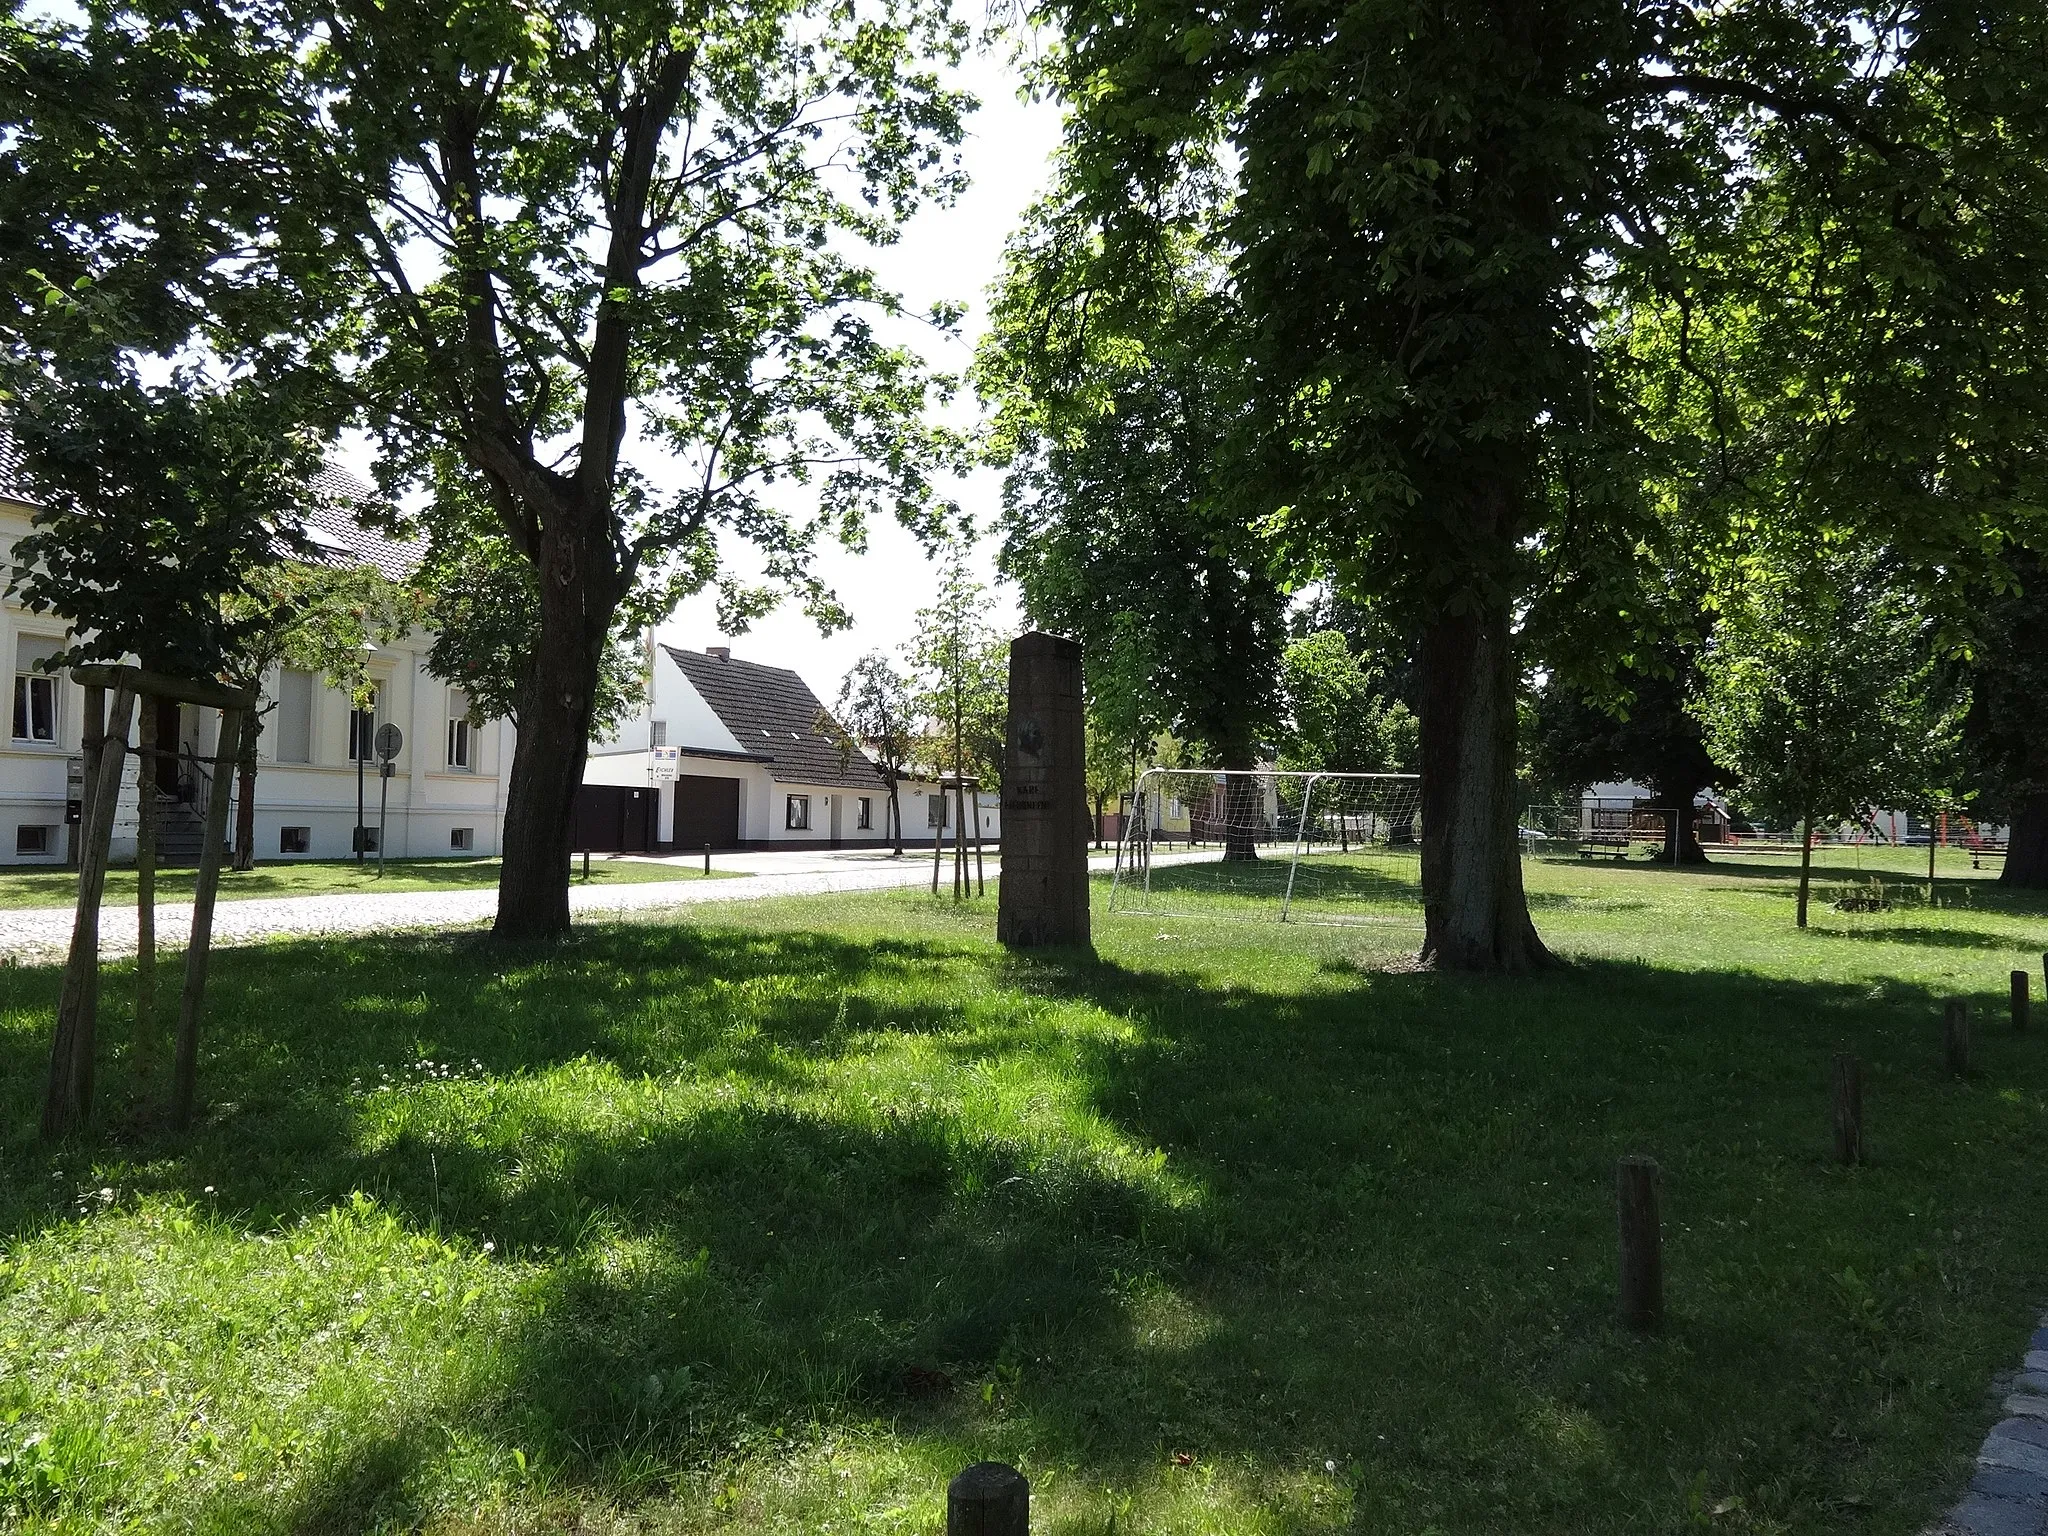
{"type": "Point", "coordinates": [1135, 842]}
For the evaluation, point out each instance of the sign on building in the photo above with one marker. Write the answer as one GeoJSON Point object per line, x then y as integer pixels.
{"type": "Point", "coordinates": [662, 763]}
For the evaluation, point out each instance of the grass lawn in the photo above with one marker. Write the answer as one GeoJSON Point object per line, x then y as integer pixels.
{"type": "Point", "coordinates": [318, 877]}
{"type": "Point", "coordinates": [774, 1219]}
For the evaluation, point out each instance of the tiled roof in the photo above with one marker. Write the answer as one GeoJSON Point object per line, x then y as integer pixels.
{"type": "Point", "coordinates": [773, 713]}
{"type": "Point", "coordinates": [331, 525]}
{"type": "Point", "coordinates": [12, 487]}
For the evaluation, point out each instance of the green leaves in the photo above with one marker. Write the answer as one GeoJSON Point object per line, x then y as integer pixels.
{"type": "Point", "coordinates": [1822, 691]}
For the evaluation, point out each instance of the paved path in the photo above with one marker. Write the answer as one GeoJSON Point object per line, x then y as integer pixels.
{"type": "Point", "coordinates": [43, 933]}
{"type": "Point", "coordinates": [2009, 1494]}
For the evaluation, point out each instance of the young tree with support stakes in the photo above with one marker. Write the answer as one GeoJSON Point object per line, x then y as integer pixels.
{"type": "Point", "coordinates": [159, 511]}
{"type": "Point", "coordinates": [1821, 690]}
{"type": "Point", "coordinates": [592, 266]}
{"type": "Point", "coordinates": [877, 707]}
{"type": "Point", "coordinates": [960, 668]}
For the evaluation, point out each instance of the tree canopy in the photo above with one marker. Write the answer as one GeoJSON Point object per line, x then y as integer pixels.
{"type": "Point", "coordinates": [1467, 239]}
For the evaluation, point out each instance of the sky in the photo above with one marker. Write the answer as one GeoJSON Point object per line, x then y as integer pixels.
{"type": "Point", "coordinates": [944, 253]}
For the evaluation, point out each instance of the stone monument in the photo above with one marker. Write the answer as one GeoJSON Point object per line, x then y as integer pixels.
{"type": "Point", "coordinates": [1043, 898]}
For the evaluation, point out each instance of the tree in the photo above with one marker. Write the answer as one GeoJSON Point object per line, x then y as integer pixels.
{"type": "Point", "coordinates": [161, 513]}
{"type": "Point", "coordinates": [1127, 517]}
{"type": "Point", "coordinates": [876, 706]}
{"type": "Point", "coordinates": [512, 238]}
{"type": "Point", "coordinates": [1427, 209]}
{"type": "Point", "coordinates": [1821, 690]}
{"type": "Point", "coordinates": [2006, 731]}
{"type": "Point", "coordinates": [1339, 718]}
{"type": "Point", "coordinates": [1647, 735]}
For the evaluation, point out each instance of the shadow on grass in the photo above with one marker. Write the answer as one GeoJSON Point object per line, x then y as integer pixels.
{"type": "Point", "coordinates": [1367, 1187]}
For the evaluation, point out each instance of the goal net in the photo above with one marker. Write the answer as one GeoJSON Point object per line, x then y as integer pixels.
{"type": "Point", "coordinates": [1273, 846]}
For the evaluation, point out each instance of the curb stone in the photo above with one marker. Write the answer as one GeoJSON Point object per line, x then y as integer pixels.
{"type": "Point", "coordinates": [2009, 1494]}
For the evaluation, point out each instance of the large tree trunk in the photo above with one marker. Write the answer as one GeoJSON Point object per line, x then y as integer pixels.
{"type": "Point", "coordinates": [2026, 852]}
{"type": "Point", "coordinates": [1242, 806]}
{"type": "Point", "coordinates": [1474, 913]}
{"type": "Point", "coordinates": [1681, 835]}
{"type": "Point", "coordinates": [553, 738]}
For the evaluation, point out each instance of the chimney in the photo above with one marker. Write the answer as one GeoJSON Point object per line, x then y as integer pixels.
{"type": "Point", "coordinates": [722, 652]}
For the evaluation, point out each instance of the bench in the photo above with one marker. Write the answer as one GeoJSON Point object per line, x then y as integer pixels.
{"type": "Point", "coordinates": [1605, 847]}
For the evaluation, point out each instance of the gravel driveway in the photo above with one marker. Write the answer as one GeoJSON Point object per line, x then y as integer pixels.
{"type": "Point", "coordinates": [44, 933]}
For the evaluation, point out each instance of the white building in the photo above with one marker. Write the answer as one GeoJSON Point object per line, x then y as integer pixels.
{"type": "Point", "coordinates": [446, 795]}
{"type": "Point", "coordinates": [734, 754]}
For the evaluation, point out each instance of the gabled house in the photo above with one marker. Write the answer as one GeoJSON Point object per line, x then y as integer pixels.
{"type": "Point", "coordinates": [447, 792]}
{"type": "Point", "coordinates": [734, 754]}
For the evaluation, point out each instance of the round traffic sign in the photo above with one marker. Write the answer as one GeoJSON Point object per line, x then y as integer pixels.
{"type": "Point", "coordinates": [389, 739]}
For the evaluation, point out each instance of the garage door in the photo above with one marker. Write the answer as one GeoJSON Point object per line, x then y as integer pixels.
{"type": "Point", "coordinates": [707, 811]}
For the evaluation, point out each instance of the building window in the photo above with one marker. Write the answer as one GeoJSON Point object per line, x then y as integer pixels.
{"type": "Point", "coordinates": [462, 839]}
{"type": "Point", "coordinates": [32, 839]}
{"type": "Point", "coordinates": [366, 839]}
{"type": "Point", "coordinates": [461, 735]}
{"type": "Point", "coordinates": [935, 811]}
{"type": "Point", "coordinates": [294, 716]}
{"type": "Point", "coordinates": [362, 729]}
{"type": "Point", "coordinates": [657, 733]}
{"type": "Point", "coordinates": [294, 839]}
{"type": "Point", "coordinates": [797, 813]}
{"type": "Point", "coordinates": [864, 818]}
{"type": "Point", "coordinates": [35, 693]}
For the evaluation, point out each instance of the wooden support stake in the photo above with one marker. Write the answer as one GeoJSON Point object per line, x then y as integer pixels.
{"type": "Point", "coordinates": [145, 889]}
{"type": "Point", "coordinates": [988, 1499]}
{"type": "Point", "coordinates": [1848, 1109]}
{"type": "Point", "coordinates": [69, 1097]}
{"type": "Point", "coordinates": [185, 1074]}
{"type": "Point", "coordinates": [2019, 1002]}
{"type": "Point", "coordinates": [1955, 1035]}
{"type": "Point", "coordinates": [1642, 1256]}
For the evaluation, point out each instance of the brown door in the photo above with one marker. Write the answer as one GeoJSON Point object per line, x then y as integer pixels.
{"type": "Point", "coordinates": [707, 811]}
{"type": "Point", "coordinates": [611, 818]}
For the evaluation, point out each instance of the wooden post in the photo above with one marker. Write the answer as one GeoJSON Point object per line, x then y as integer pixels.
{"type": "Point", "coordinates": [69, 1097]}
{"type": "Point", "coordinates": [988, 1499]}
{"type": "Point", "coordinates": [185, 1074]}
{"type": "Point", "coordinates": [980, 875]}
{"type": "Point", "coordinates": [2019, 1002]}
{"type": "Point", "coordinates": [1848, 1109]}
{"type": "Point", "coordinates": [1642, 1258]}
{"type": "Point", "coordinates": [1955, 1035]}
{"type": "Point", "coordinates": [145, 888]}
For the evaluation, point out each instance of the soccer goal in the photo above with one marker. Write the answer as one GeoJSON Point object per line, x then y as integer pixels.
{"type": "Point", "coordinates": [1273, 846]}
